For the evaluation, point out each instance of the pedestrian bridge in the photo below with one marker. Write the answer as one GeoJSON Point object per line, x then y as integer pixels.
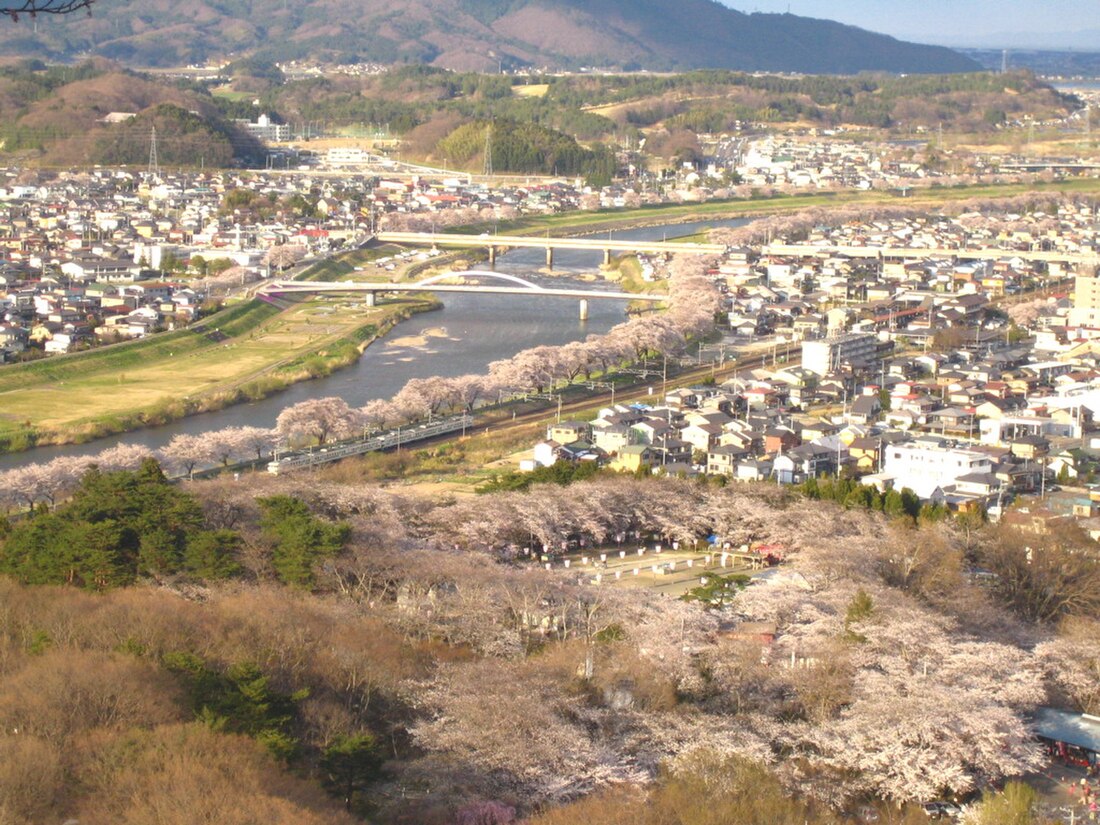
{"type": "Point", "coordinates": [505, 285]}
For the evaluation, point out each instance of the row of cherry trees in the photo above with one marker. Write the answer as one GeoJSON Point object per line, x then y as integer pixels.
{"type": "Point", "coordinates": [693, 302]}
{"type": "Point", "coordinates": [991, 213]}
{"type": "Point", "coordinates": [24, 487]}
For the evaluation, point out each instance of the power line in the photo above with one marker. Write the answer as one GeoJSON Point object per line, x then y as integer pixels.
{"type": "Point", "coordinates": [154, 165]}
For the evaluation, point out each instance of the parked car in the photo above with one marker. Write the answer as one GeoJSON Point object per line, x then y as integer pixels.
{"type": "Point", "coordinates": [942, 810]}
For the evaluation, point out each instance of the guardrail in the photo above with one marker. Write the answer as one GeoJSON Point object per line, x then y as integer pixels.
{"type": "Point", "coordinates": [393, 438]}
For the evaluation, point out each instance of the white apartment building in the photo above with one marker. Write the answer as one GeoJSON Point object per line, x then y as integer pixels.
{"type": "Point", "coordinates": [347, 156]}
{"type": "Point", "coordinates": [266, 130]}
{"type": "Point", "coordinates": [1086, 303]}
{"type": "Point", "coordinates": [924, 468]}
{"type": "Point", "coordinates": [828, 354]}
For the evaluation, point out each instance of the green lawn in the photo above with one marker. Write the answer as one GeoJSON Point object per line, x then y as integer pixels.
{"type": "Point", "coordinates": [245, 352]}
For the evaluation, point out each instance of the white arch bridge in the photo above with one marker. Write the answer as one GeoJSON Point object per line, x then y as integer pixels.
{"type": "Point", "coordinates": [510, 285]}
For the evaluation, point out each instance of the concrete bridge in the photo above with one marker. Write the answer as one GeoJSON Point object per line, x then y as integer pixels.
{"type": "Point", "coordinates": [512, 285]}
{"type": "Point", "coordinates": [1040, 165]}
{"type": "Point", "coordinates": [920, 253]}
{"type": "Point", "coordinates": [496, 242]}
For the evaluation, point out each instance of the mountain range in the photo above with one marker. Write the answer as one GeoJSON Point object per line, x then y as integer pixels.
{"type": "Point", "coordinates": [471, 35]}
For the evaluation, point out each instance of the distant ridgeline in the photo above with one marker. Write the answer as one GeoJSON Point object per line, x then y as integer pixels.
{"type": "Point", "coordinates": [475, 34]}
{"type": "Point", "coordinates": [1042, 62]}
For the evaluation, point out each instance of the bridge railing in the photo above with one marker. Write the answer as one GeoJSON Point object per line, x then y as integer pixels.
{"type": "Point", "coordinates": [392, 438]}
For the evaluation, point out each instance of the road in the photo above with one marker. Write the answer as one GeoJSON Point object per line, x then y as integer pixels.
{"type": "Point", "coordinates": [533, 242]}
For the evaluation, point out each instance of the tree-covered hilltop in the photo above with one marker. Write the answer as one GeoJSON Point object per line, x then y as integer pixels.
{"type": "Point", "coordinates": [57, 115]}
{"type": "Point", "coordinates": [124, 525]}
{"type": "Point", "coordinates": [527, 147]}
{"type": "Point", "coordinates": [704, 100]}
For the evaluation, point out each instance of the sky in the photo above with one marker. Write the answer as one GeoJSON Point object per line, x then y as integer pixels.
{"type": "Point", "coordinates": [1011, 23]}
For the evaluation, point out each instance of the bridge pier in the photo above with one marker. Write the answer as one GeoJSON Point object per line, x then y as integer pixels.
{"type": "Point", "coordinates": [607, 257]}
{"type": "Point", "coordinates": [549, 257]}
{"type": "Point", "coordinates": [371, 299]}
{"type": "Point", "coordinates": [492, 256]}
{"type": "Point", "coordinates": [584, 309]}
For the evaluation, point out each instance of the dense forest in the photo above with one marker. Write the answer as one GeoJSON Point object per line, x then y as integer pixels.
{"type": "Point", "coordinates": [260, 648]}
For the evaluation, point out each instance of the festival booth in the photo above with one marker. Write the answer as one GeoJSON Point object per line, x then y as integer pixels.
{"type": "Point", "coordinates": [1073, 738]}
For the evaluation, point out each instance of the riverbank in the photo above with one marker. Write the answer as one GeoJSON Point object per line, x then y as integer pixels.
{"type": "Point", "coordinates": [574, 224]}
{"type": "Point", "coordinates": [480, 329]}
{"type": "Point", "coordinates": [243, 354]}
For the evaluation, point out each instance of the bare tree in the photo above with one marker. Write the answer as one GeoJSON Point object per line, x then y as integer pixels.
{"type": "Point", "coordinates": [14, 8]}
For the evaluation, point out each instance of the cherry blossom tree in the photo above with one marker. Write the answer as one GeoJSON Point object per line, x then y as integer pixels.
{"type": "Point", "coordinates": [256, 440]}
{"type": "Point", "coordinates": [285, 256]}
{"type": "Point", "coordinates": [1072, 663]}
{"type": "Point", "coordinates": [379, 414]}
{"type": "Point", "coordinates": [122, 457]}
{"type": "Point", "coordinates": [485, 813]}
{"type": "Point", "coordinates": [186, 452]}
{"type": "Point", "coordinates": [318, 419]}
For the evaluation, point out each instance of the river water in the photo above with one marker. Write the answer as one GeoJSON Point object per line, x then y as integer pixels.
{"type": "Point", "coordinates": [468, 333]}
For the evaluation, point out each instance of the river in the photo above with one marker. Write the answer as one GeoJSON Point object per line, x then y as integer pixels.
{"type": "Point", "coordinates": [467, 334]}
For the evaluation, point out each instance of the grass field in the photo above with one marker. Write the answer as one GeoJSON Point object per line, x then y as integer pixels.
{"type": "Point", "coordinates": [534, 90]}
{"type": "Point", "coordinates": [344, 266]}
{"type": "Point", "coordinates": [245, 352]}
{"type": "Point", "coordinates": [602, 220]}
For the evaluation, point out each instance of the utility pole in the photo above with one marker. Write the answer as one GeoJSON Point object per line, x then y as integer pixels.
{"type": "Point", "coordinates": [488, 169]}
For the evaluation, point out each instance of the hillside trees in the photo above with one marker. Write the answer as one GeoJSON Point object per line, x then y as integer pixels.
{"type": "Point", "coordinates": [298, 538]}
{"type": "Point", "coordinates": [528, 147]}
{"type": "Point", "coordinates": [874, 685]}
{"type": "Point", "coordinates": [117, 525]}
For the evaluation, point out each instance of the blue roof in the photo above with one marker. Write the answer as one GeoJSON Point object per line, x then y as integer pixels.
{"type": "Point", "coordinates": [1078, 729]}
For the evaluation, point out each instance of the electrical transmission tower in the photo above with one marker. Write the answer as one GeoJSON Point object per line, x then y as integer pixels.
{"type": "Point", "coordinates": [154, 164]}
{"type": "Point", "coordinates": [488, 170]}
{"type": "Point", "coordinates": [14, 8]}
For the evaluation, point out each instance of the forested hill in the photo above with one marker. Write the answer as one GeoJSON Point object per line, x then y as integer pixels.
{"type": "Point", "coordinates": [473, 35]}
